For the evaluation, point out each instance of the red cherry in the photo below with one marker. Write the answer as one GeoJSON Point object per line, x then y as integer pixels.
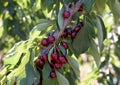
{"type": "Point", "coordinates": [39, 83]}
{"type": "Point", "coordinates": [51, 39]}
{"type": "Point", "coordinates": [44, 42]}
{"type": "Point", "coordinates": [62, 59]}
{"type": "Point", "coordinates": [66, 14]}
{"type": "Point", "coordinates": [73, 35]}
{"type": "Point", "coordinates": [64, 44]}
{"type": "Point", "coordinates": [81, 24]}
{"type": "Point", "coordinates": [80, 9]}
{"type": "Point", "coordinates": [57, 65]}
{"type": "Point", "coordinates": [77, 28]}
{"type": "Point", "coordinates": [44, 57]}
{"type": "Point", "coordinates": [69, 31]}
{"type": "Point", "coordinates": [40, 63]}
{"type": "Point", "coordinates": [64, 35]}
{"type": "Point", "coordinates": [52, 74]}
{"type": "Point", "coordinates": [54, 56]}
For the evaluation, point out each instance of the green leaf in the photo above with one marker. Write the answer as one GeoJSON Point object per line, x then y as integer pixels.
{"type": "Point", "coordinates": [100, 28]}
{"type": "Point", "coordinates": [81, 41]}
{"type": "Point", "coordinates": [62, 49]}
{"type": "Point", "coordinates": [25, 74]}
{"type": "Point", "coordinates": [15, 54]}
{"type": "Point", "coordinates": [94, 52]}
{"type": "Point", "coordinates": [103, 28]}
{"type": "Point", "coordinates": [114, 6]}
{"type": "Point", "coordinates": [46, 71]}
{"type": "Point", "coordinates": [74, 65]}
{"type": "Point", "coordinates": [49, 54]}
{"type": "Point", "coordinates": [100, 6]}
{"type": "Point", "coordinates": [88, 4]}
{"type": "Point", "coordinates": [60, 18]}
{"type": "Point", "coordinates": [35, 32]}
{"type": "Point", "coordinates": [61, 79]}
{"type": "Point", "coordinates": [50, 81]}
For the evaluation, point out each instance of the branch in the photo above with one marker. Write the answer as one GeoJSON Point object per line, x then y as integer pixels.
{"type": "Point", "coordinates": [72, 11]}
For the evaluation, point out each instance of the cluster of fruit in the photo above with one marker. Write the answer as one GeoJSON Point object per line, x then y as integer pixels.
{"type": "Point", "coordinates": [57, 59]}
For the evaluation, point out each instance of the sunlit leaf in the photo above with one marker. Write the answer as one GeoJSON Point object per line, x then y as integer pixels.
{"type": "Point", "coordinates": [61, 79]}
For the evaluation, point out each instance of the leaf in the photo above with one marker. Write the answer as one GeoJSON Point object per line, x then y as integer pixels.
{"type": "Point", "coordinates": [50, 81]}
{"type": "Point", "coordinates": [88, 4]}
{"type": "Point", "coordinates": [46, 71]}
{"type": "Point", "coordinates": [114, 6]}
{"type": "Point", "coordinates": [35, 32]}
{"type": "Point", "coordinates": [74, 64]}
{"type": "Point", "coordinates": [25, 74]}
{"type": "Point", "coordinates": [100, 6]}
{"type": "Point", "coordinates": [49, 54]}
{"type": "Point", "coordinates": [61, 79]}
{"type": "Point", "coordinates": [81, 41]}
{"type": "Point", "coordinates": [62, 49]}
{"type": "Point", "coordinates": [15, 54]}
{"type": "Point", "coordinates": [60, 18]}
{"type": "Point", "coordinates": [103, 27]}
{"type": "Point", "coordinates": [94, 52]}
{"type": "Point", "coordinates": [100, 33]}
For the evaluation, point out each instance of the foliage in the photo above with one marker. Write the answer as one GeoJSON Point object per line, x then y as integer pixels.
{"type": "Point", "coordinates": [24, 23]}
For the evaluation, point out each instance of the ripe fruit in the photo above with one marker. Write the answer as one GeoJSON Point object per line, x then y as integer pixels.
{"type": "Point", "coordinates": [64, 44]}
{"type": "Point", "coordinates": [52, 74]}
{"type": "Point", "coordinates": [73, 35]}
{"type": "Point", "coordinates": [51, 39]}
{"type": "Point", "coordinates": [44, 57]}
{"type": "Point", "coordinates": [66, 14]}
{"type": "Point", "coordinates": [81, 24]}
{"type": "Point", "coordinates": [62, 60]}
{"type": "Point", "coordinates": [64, 35]}
{"type": "Point", "coordinates": [80, 9]}
{"type": "Point", "coordinates": [77, 28]}
{"type": "Point", "coordinates": [69, 31]}
{"type": "Point", "coordinates": [54, 56]}
{"type": "Point", "coordinates": [44, 42]}
{"type": "Point", "coordinates": [40, 63]}
{"type": "Point", "coordinates": [57, 65]}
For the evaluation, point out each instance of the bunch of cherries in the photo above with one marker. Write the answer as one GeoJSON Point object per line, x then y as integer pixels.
{"type": "Point", "coordinates": [57, 60]}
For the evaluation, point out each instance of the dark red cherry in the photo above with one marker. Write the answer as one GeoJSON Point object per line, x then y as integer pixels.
{"type": "Point", "coordinates": [51, 39]}
{"type": "Point", "coordinates": [62, 59]}
{"type": "Point", "coordinates": [64, 44]}
{"type": "Point", "coordinates": [52, 74]}
{"type": "Point", "coordinates": [44, 42]}
{"type": "Point", "coordinates": [66, 14]}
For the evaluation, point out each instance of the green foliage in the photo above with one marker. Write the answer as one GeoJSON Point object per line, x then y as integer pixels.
{"type": "Point", "coordinates": [24, 23]}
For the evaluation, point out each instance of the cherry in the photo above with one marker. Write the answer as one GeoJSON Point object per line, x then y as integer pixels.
{"type": "Point", "coordinates": [39, 83]}
{"type": "Point", "coordinates": [69, 31]}
{"type": "Point", "coordinates": [77, 28]}
{"type": "Point", "coordinates": [44, 42]}
{"type": "Point", "coordinates": [52, 74]}
{"type": "Point", "coordinates": [44, 57]}
{"type": "Point", "coordinates": [64, 35]}
{"type": "Point", "coordinates": [64, 44]}
{"type": "Point", "coordinates": [62, 59]}
{"type": "Point", "coordinates": [51, 39]}
{"type": "Point", "coordinates": [40, 63]}
{"type": "Point", "coordinates": [66, 14]}
{"type": "Point", "coordinates": [57, 65]}
{"type": "Point", "coordinates": [73, 35]}
{"type": "Point", "coordinates": [54, 56]}
{"type": "Point", "coordinates": [80, 9]}
{"type": "Point", "coordinates": [81, 24]}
